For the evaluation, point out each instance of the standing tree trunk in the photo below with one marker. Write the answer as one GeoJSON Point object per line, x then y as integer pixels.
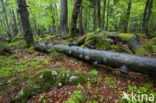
{"type": "Point", "coordinates": [103, 19]}
{"type": "Point", "coordinates": [28, 36]}
{"type": "Point", "coordinates": [81, 22]}
{"type": "Point", "coordinates": [64, 17]}
{"type": "Point", "coordinates": [75, 13]}
{"type": "Point", "coordinates": [6, 17]}
{"type": "Point", "coordinates": [85, 19]}
{"type": "Point", "coordinates": [19, 22]}
{"type": "Point", "coordinates": [99, 13]}
{"type": "Point", "coordinates": [127, 16]}
{"type": "Point", "coordinates": [94, 19]}
{"type": "Point", "coordinates": [15, 30]}
{"type": "Point", "coordinates": [107, 14]}
{"type": "Point", "coordinates": [148, 17]}
{"type": "Point", "coordinates": [144, 17]}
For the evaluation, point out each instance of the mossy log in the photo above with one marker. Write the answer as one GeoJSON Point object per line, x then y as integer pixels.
{"type": "Point", "coordinates": [132, 40]}
{"type": "Point", "coordinates": [124, 61]}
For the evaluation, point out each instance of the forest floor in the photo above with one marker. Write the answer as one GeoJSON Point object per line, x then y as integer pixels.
{"type": "Point", "coordinates": [108, 86]}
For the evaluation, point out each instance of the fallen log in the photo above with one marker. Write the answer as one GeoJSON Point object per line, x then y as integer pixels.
{"type": "Point", "coordinates": [125, 62]}
{"type": "Point", "coordinates": [132, 41]}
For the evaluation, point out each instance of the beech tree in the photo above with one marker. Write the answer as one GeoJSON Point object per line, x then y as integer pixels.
{"type": "Point", "coordinates": [22, 9]}
{"type": "Point", "coordinates": [64, 17]}
{"type": "Point", "coordinates": [76, 10]}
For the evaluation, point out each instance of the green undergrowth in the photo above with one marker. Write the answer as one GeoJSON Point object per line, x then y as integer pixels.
{"type": "Point", "coordinates": [44, 79]}
{"type": "Point", "coordinates": [4, 48]}
{"type": "Point", "coordinates": [143, 94]}
{"type": "Point", "coordinates": [111, 82]}
{"type": "Point", "coordinates": [11, 65]}
{"type": "Point", "coordinates": [77, 97]}
{"type": "Point", "coordinates": [7, 84]}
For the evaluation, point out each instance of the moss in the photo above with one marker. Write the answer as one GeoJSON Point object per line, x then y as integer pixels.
{"type": "Point", "coordinates": [154, 48]}
{"type": "Point", "coordinates": [30, 50]}
{"type": "Point", "coordinates": [44, 79]}
{"type": "Point", "coordinates": [7, 84]}
{"type": "Point", "coordinates": [142, 52]}
{"type": "Point", "coordinates": [149, 45]}
{"type": "Point", "coordinates": [125, 36]}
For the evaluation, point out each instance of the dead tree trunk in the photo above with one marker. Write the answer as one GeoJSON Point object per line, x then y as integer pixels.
{"type": "Point", "coordinates": [125, 62]}
{"type": "Point", "coordinates": [28, 36]}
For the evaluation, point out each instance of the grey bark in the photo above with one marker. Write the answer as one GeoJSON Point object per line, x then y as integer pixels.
{"type": "Point", "coordinates": [99, 13]}
{"type": "Point", "coordinates": [148, 17]}
{"type": "Point", "coordinates": [127, 16]}
{"type": "Point", "coordinates": [64, 17]}
{"type": "Point", "coordinates": [103, 18]}
{"type": "Point", "coordinates": [15, 29]}
{"type": "Point", "coordinates": [28, 36]}
{"type": "Point", "coordinates": [134, 63]}
{"type": "Point", "coordinates": [144, 17]}
{"type": "Point", "coordinates": [5, 15]}
{"type": "Point", "coordinates": [107, 15]}
{"type": "Point", "coordinates": [81, 21]}
{"type": "Point", "coordinates": [75, 13]}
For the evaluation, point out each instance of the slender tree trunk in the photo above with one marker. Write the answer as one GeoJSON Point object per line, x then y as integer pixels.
{"type": "Point", "coordinates": [19, 23]}
{"type": "Point", "coordinates": [28, 36]}
{"type": "Point", "coordinates": [5, 15]}
{"type": "Point", "coordinates": [103, 19]}
{"type": "Point", "coordinates": [94, 19]}
{"type": "Point", "coordinates": [81, 22]}
{"type": "Point", "coordinates": [144, 17]}
{"type": "Point", "coordinates": [148, 17]}
{"type": "Point", "coordinates": [64, 17]}
{"type": "Point", "coordinates": [99, 13]}
{"type": "Point", "coordinates": [35, 24]}
{"type": "Point", "coordinates": [127, 16]}
{"type": "Point", "coordinates": [86, 19]}
{"type": "Point", "coordinates": [107, 15]}
{"type": "Point", "coordinates": [75, 13]}
{"type": "Point", "coordinates": [15, 30]}
{"type": "Point", "coordinates": [2, 25]}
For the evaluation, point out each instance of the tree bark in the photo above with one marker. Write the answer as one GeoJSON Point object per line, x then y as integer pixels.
{"type": "Point", "coordinates": [76, 10]}
{"type": "Point", "coordinates": [148, 17]}
{"type": "Point", "coordinates": [64, 18]}
{"type": "Point", "coordinates": [125, 62]}
{"type": "Point", "coordinates": [99, 13]}
{"type": "Point", "coordinates": [15, 30]}
{"type": "Point", "coordinates": [127, 16]}
{"type": "Point", "coordinates": [144, 17]}
{"type": "Point", "coordinates": [107, 14]}
{"type": "Point", "coordinates": [28, 36]}
{"type": "Point", "coordinates": [81, 22]}
{"type": "Point", "coordinates": [103, 19]}
{"type": "Point", "coordinates": [6, 17]}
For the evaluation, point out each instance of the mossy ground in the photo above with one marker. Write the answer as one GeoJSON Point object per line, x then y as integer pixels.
{"type": "Point", "coordinates": [106, 86]}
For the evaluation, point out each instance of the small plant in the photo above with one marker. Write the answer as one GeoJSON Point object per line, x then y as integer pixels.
{"type": "Point", "coordinates": [110, 81]}
{"type": "Point", "coordinates": [76, 97]}
{"type": "Point", "coordinates": [46, 62]}
{"type": "Point", "coordinates": [94, 72]}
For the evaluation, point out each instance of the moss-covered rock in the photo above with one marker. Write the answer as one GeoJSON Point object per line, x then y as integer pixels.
{"type": "Point", "coordinates": [101, 42]}
{"type": "Point", "coordinates": [44, 79]}
{"type": "Point", "coordinates": [149, 46]}
{"type": "Point", "coordinates": [125, 36]}
{"type": "Point", "coordinates": [142, 52]}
